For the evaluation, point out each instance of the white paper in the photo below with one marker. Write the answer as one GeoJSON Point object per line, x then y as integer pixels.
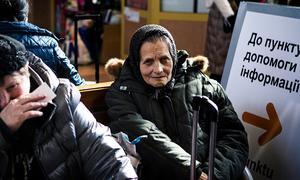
{"type": "Point", "coordinates": [44, 89]}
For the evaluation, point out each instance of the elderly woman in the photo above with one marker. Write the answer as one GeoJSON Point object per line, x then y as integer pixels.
{"type": "Point", "coordinates": [152, 96]}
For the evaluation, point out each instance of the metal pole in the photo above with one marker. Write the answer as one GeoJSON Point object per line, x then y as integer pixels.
{"type": "Point", "coordinates": [194, 146]}
{"type": "Point", "coordinates": [195, 6]}
{"type": "Point", "coordinates": [196, 108]}
{"type": "Point", "coordinates": [212, 149]}
{"type": "Point", "coordinates": [97, 18]}
{"type": "Point", "coordinates": [76, 45]}
{"type": "Point", "coordinates": [213, 116]}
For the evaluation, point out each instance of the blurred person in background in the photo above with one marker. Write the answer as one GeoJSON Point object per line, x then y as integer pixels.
{"type": "Point", "coordinates": [41, 42]}
{"type": "Point", "coordinates": [220, 25]}
{"type": "Point", "coordinates": [221, 21]}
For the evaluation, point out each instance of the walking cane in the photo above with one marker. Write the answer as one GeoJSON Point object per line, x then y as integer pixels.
{"type": "Point", "coordinates": [196, 108]}
{"type": "Point", "coordinates": [214, 116]}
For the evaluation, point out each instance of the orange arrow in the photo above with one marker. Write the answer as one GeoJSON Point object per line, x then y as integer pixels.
{"type": "Point", "coordinates": [271, 125]}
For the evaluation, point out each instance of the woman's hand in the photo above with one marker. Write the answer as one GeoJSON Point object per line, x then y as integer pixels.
{"type": "Point", "coordinates": [20, 109]}
{"type": "Point", "coordinates": [203, 176]}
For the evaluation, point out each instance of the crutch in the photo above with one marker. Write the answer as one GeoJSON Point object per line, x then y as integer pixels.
{"type": "Point", "coordinates": [214, 116]}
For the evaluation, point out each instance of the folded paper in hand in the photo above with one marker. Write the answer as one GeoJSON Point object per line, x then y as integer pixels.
{"type": "Point", "coordinates": [44, 89]}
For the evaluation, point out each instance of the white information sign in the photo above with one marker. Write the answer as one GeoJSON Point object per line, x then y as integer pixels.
{"type": "Point", "coordinates": [261, 78]}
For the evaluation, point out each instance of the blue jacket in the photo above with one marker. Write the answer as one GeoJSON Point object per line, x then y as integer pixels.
{"type": "Point", "coordinates": [43, 44]}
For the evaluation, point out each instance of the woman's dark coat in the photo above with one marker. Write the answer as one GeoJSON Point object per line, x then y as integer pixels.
{"type": "Point", "coordinates": [165, 116]}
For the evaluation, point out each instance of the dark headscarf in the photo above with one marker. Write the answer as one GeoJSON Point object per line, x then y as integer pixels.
{"type": "Point", "coordinates": [144, 34]}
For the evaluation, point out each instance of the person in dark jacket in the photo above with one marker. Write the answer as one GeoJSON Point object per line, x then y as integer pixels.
{"type": "Point", "coordinates": [220, 25]}
{"type": "Point", "coordinates": [152, 96]}
{"type": "Point", "coordinates": [50, 139]}
{"type": "Point", "coordinates": [43, 43]}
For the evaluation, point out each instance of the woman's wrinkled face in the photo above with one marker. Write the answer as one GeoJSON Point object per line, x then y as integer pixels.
{"type": "Point", "coordinates": [156, 63]}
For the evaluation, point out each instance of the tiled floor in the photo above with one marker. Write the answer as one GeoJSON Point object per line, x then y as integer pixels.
{"type": "Point", "coordinates": [88, 73]}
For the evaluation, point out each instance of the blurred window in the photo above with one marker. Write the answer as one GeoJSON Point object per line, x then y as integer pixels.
{"type": "Point", "coordinates": [188, 6]}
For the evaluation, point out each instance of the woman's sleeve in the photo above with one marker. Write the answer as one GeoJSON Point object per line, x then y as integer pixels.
{"type": "Point", "coordinates": [5, 134]}
{"type": "Point", "coordinates": [224, 7]}
{"type": "Point", "coordinates": [102, 157]}
{"type": "Point", "coordinates": [65, 69]}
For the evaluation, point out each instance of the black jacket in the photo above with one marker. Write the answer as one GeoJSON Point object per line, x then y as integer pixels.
{"type": "Point", "coordinates": [166, 118]}
{"type": "Point", "coordinates": [70, 144]}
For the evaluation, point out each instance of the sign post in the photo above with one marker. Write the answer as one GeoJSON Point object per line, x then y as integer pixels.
{"type": "Point", "coordinates": [262, 79]}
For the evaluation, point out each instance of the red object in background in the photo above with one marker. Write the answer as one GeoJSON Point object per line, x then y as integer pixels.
{"type": "Point", "coordinates": [139, 4]}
